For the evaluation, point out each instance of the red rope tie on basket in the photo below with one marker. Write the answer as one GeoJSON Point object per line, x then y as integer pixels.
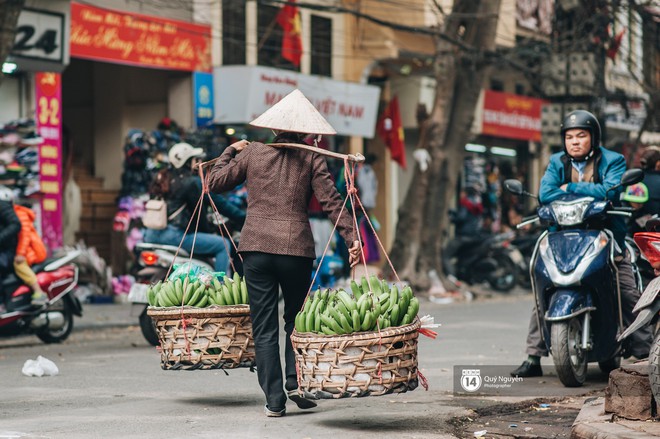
{"type": "Point", "coordinates": [423, 381]}
{"type": "Point", "coordinates": [428, 332]}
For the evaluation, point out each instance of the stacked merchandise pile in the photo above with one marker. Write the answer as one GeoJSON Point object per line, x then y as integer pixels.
{"type": "Point", "coordinates": [19, 157]}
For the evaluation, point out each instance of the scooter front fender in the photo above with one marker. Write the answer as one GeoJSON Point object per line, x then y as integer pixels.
{"type": "Point", "coordinates": [566, 304]}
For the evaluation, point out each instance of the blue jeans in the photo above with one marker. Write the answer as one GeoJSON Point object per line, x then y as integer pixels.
{"type": "Point", "coordinates": [206, 244]}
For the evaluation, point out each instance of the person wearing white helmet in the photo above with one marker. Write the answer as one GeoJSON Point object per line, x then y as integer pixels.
{"type": "Point", "coordinates": [182, 188]}
{"type": "Point", "coordinates": [277, 244]}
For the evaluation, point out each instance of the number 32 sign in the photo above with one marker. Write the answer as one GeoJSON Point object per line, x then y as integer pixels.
{"type": "Point", "coordinates": [39, 35]}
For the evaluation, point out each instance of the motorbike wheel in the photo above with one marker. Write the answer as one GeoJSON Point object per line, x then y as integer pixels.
{"type": "Point", "coordinates": [567, 354]}
{"type": "Point", "coordinates": [148, 328]}
{"type": "Point", "coordinates": [608, 366]}
{"type": "Point", "coordinates": [504, 277]}
{"type": "Point", "coordinates": [654, 368]}
{"type": "Point", "coordinates": [48, 335]}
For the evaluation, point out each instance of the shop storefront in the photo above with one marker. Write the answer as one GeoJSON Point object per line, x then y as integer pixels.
{"type": "Point", "coordinates": [129, 72]}
{"type": "Point", "coordinates": [508, 146]}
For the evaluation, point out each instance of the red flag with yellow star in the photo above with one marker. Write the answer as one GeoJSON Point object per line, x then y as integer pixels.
{"type": "Point", "coordinates": [289, 19]}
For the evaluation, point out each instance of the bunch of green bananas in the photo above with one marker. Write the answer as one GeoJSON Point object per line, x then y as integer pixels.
{"type": "Point", "coordinates": [231, 291]}
{"type": "Point", "coordinates": [373, 305]}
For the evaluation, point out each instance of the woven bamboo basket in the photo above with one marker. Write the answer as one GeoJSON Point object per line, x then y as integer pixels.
{"type": "Point", "coordinates": [359, 364]}
{"type": "Point", "coordinates": [216, 337]}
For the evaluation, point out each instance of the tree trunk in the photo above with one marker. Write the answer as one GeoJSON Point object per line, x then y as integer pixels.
{"type": "Point", "coordinates": [9, 12]}
{"type": "Point", "coordinates": [459, 75]}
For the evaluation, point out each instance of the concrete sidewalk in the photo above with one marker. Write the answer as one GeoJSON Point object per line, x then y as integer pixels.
{"type": "Point", "coordinates": [593, 422]}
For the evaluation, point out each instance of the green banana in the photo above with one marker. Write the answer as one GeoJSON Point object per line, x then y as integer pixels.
{"type": "Point", "coordinates": [344, 324]}
{"type": "Point", "coordinates": [244, 292]}
{"type": "Point", "coordinates": [317, 321]}
{"type": "Point", "coordinates": [339, 306]}
{"type": "Point", "coordinates": [347, 300]}
{"type": "Point", "coordinates": [367, 322]}
{"type": "Point", "coordinates": [365, 285]}
{"type": "Point", "coordinates": [394, 298]}
{"type": "Point", "coordinates": [203, 302]}
{"type": "Point", "coordinates": [216, 284]}
{"type": "Point", "coordinates": [406, 320]}
{"type": "Point", "coordinates": [375, 285]}
{"type": "Point", "coordinates": [357, 292]}
{"type": "Point", "coordinates": [356, 320]}
{"type": "Point", "coordinates": [229, 299]}
{"type": "Point", "coordinates": [171, 295]}
{"type": "Point", "coordinates": [196, 296]}
{"type": "Point", "coordinates": [309, 321]}
{"type": "Point", "coordinates": [151, 295]}
{"type": "Point", "coordinates": [395, 315]}
{"type": "Point", "coordinates": [413, 309]}
{"type": "Point", "coordinates": [300, 321]}
{"type": "Point", "coordinates": [236, 292]}
{"type": "Point", "coordinates": [327, 331]}
{"type": "Point", "coordinates": [237, 277]}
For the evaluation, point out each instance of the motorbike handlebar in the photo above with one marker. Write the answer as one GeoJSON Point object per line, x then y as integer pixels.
{"type": "Point", "coordinates": [527, 221]}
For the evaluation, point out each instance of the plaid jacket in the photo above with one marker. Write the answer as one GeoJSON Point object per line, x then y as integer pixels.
{"type": "Point", "coordinates": [280, 183]}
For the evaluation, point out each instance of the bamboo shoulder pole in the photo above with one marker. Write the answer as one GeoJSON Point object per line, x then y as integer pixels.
{"type": "Point", "coordinates": [357, 158]}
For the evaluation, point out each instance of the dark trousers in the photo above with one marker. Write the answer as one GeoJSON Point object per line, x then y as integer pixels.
{"type": "Point", "coordinates": [264, 274]}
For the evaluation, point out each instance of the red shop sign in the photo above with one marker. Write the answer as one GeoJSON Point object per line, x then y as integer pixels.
{"type": "Point", "coordinates": [511, 116]}
{"type": "Point", "coordinates": [127, 38]}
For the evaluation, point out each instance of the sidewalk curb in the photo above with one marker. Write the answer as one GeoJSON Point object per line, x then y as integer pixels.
{"type": "Point", "coordinates": [593, 423]}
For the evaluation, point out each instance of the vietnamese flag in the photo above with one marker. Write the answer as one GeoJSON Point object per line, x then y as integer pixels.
{"type": "Point", "coordinates": [289, 19]}
{"type": "Point", "coordinates": [390, 129]}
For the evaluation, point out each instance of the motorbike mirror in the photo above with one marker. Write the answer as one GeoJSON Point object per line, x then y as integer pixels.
{"type": "Point", "coordinates": [514, 186]}
{"type": "Point", "coordinates": [631, 176]}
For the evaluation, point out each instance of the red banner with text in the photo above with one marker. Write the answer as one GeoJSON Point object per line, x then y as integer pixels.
{"type": "Point", "coordinates": [511, 116]}
{"type": "Point", "coordinates": [128, 38]}
{"type": "Point", "coordinates": [48, 93]}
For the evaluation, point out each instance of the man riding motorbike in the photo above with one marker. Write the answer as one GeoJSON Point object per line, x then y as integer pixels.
{"type": "Point", "coordinates": [182, 188]}
{"type": "Point", "coordinates": [588, 169]}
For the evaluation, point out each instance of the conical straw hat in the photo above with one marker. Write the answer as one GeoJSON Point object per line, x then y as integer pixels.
{"type": "Point", "coordinates": [294, 113]}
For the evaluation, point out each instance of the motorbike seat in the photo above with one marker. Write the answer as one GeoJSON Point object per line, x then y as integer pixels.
{"type": "Point", "coordinates": [169, 248]}
{"type": "Point", "coordinates": [9, 282]}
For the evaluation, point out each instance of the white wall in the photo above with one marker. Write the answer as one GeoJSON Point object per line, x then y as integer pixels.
{"type": "Point", "coordinates": [10, 97]}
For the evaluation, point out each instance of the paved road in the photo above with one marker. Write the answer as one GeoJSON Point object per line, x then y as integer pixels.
{"type": "Point", "coordinates": [111, 385]}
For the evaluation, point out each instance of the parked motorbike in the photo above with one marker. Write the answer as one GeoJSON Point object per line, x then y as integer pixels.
{"type": "Point", "coordinates": [489, 259]}
{"type": "Point", "coordinates": [574, 280]}
{"type": "Point", "coordinates": [152, 261]}
{"type": "Point", "coordinates": [52, 322]}
{"type": "Point", "coordinates": [648, 305]}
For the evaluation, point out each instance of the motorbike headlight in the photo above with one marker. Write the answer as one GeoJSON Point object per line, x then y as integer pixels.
{"type": "Point", "coordinates": [570, 213]}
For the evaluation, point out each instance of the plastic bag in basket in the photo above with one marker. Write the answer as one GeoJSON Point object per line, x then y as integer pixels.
{"type": "Point", "coordinates": [194, 272]}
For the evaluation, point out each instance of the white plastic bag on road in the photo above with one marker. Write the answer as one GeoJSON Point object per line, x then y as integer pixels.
{"type": "Point", "coordinates": [40, 367]}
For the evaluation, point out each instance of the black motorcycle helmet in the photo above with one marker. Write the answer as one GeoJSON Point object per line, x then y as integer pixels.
{"type": "Point", "coordinates": [584, 120]}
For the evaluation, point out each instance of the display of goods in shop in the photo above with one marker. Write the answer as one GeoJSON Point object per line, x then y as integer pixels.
{"type": "Point", "coordinates": [373, 305]}
{"type": "Point", "coordinates": [373, 353]}
{"type": "Point", "coordinates": [182, 292]}
{"type": "Point", "coordinates": [202, 326]}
